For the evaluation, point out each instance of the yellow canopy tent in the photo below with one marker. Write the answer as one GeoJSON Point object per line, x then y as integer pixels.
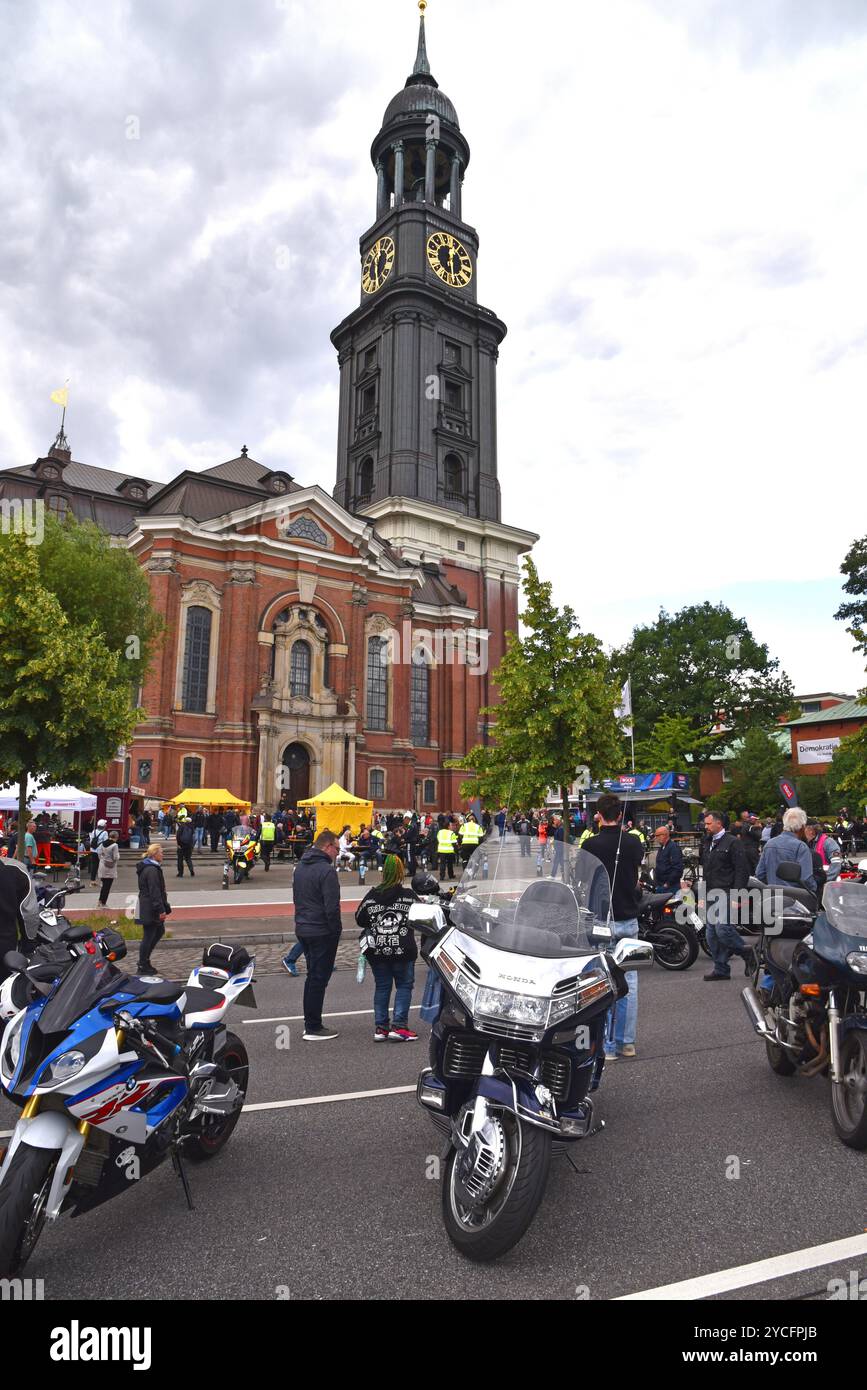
{"type": "Point", "coordinates": [335, 808]}
{"type": "Point", "coordinates": [202, 796]}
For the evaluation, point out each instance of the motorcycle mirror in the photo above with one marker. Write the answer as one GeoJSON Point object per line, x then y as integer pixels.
{"type": "Point", "coordinates": [631, 954]}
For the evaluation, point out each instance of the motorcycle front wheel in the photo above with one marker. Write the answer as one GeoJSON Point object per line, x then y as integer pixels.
{"type": "Point", "coordinates": [675, 948]}
{"type": "Point", "coordinates": [23, 1202]}
{"type": "Point", "coordinates": [485, 1233]}
{"type": "Point", "coordinates": [849, 1096]}
{"type": "Point", "coordinates": [217, 1130]}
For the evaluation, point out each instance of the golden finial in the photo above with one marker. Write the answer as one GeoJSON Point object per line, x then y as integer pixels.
{"type": "Point", "coordinates": [422, 4]}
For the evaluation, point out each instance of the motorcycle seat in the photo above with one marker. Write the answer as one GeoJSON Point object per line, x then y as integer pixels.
{"type": "Point", "coordinates": [202, 1001]}
{"type": "Point", "coordinates": [653, 899]}
{"type": "Point", "coordinates": [160, 992]}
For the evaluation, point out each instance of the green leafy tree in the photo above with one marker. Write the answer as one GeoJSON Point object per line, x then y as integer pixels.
{"type": "Point", "coordinates": [65, 696]}
{"type": "Point", "coordinates": [95, 581]}
{"type": "Point", "coordinates": [671, 746]}
{"type": "Point", "coordinates": [556, 710]}
{"type": "Point", "coordinates": [704, 666]}
{"type": "Point", "coordinates": [854, 614]}
{"type": "Point", "coordinates": [847, 775]}
{"type": "Point", "coordinates": [756, 769]}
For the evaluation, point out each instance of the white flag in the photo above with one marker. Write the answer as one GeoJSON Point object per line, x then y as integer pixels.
{"type": "Point", "coordinates": [623, 713]}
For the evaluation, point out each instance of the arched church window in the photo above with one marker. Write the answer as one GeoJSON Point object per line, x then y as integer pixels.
{"type": "Point", "coordinates": [377, 683]}
{"type": "Point", "coordinates": [197, 660]}
{"type": "Point", "coordinates": [365, 478]}
{"type": "Point", "coordinates": [301, 664]}
{"type": "Point", "coordinates": [454, 476]}
{"type": "Point", "coordinates": [419, 703]}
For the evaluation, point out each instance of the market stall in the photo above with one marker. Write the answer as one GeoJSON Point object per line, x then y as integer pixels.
{"type": "Point", "coordinates": [207, 797]}
{"type": "Point", "coordinates": [336, 808]}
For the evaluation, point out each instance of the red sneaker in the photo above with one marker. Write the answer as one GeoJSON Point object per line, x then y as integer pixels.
{"type": "Point", "coordinates": [402, 1035]}
{"type": "Point", "coordinates": [381, 1034]}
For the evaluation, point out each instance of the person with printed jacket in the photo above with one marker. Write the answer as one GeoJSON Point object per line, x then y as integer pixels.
{"type": "Point", "coordinates": [388, 942]}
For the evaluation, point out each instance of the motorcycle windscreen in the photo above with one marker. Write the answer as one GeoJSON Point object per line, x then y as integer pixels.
{"type": "Point", "coordinates": [845, 905]}
{"type": "Point", "coordinates": [81, 988]}
{"type": "Point", "coordinates": [538, 906]}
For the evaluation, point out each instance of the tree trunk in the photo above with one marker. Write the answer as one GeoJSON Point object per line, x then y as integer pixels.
{"type": "Point", "coordinates": [22, 815]}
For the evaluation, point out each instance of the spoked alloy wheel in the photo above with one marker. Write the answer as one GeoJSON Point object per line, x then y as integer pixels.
{"type": "Point", "coordinates": [484, 1232]}
{"type": "Point", "coordinates": [23, 1205]}
{"type": "Point", "coordinates": [849, 1096]}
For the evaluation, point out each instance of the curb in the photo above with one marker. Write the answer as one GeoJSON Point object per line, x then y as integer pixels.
{"type": "Point", "coordinates": [262, 939]}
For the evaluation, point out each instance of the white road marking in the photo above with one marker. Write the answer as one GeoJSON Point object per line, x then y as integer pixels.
{"type": "Point", "coordinates": [307, 1100]}
{"type": "Point", "coordinates": [299, 1018]}
{"type": "Point", "coordinates": [329, 1100]}
{"type": "Point", "coordinates": [742, 1276]}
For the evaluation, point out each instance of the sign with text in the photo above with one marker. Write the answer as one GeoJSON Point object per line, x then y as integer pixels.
{"type": "Point", "coordinates": [817, 750]}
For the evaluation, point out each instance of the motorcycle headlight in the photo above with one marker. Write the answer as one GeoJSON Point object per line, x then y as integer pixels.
{"type": "Point", "coordinates": [465, 990]}
{"type": "Point", "coordinates": [67, 1065]}
{"type": "Point", "coordinates": [562, 1008]}
{"type": "Point", "coordinates": [857, 961]}
{"type": "Point", "coordinates": [517, 1008]}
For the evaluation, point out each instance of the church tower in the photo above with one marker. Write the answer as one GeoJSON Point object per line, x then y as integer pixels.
{"type": "Point", "coordinates": [418, 357]}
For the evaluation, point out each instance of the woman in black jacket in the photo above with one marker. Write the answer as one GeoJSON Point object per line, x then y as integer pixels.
{"type": "Point", "coordinates": [388, 942]}
{"type": "Point", "coordinates": [153, 905]}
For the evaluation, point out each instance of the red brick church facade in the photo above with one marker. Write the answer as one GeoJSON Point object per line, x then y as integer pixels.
{"type": "Point", "coordinates": [292, 616]}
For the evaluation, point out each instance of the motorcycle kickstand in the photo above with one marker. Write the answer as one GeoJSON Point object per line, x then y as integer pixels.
{"type": "Point", "coordinates": [178, 1165]}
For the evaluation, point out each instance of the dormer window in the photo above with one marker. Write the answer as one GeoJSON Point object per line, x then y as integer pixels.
{"type": "Point", "coordinates": [278, 483]}
{"type": "Point", "coordinates": [134, 488]}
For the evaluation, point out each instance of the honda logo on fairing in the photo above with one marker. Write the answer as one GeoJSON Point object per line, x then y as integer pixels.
{"type": "Point", "coordinates": [516, 979]}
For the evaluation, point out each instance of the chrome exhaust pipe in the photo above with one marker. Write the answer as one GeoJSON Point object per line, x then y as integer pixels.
{"type": "Point", "coordinates": [756, 1013]}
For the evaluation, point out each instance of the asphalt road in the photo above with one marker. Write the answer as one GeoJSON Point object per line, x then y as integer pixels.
{"type": "Point", "coordinates": [334, 1199]}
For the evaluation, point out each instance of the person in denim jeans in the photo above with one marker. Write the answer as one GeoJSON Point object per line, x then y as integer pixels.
{"type": "Point", "coordinates": [622, 855]}
{"type": "Point", "coordinates": [622, 1024]}
{"type": "Point", "coordinates": [388, 942]}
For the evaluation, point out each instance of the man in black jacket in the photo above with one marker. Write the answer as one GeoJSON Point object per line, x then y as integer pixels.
{"type": "Point", "coordinates": [622, 855]}
{"type": "Point", "coordinates": [725, 871]}
{"type": "Point", "coordinates": [19, 910]}
{"type": "Point", "coordinates": [185, 836]}
{"type": "Point", "coordinates": [316, 894]}
{"type": "Point", "coordinates": [668, 869]}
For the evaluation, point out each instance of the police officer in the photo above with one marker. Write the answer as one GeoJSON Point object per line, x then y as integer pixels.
{"type": "Point", "coordinates": [446, 842]}
{"type": "Point", "coordinates": [267, 836]}
{"type": "Point", "coordinates": [471, 837]}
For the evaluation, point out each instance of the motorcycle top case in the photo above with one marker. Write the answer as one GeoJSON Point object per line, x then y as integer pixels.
{"type": "Point", "coordinates": [232, 959]}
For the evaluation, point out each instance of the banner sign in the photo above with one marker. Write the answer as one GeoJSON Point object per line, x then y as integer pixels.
{"type": "Point", "coordinates": [817, 750]}
{"type": "Point", "coordinates": [649, 782]}
{"type": "Point", "coordinates": [788, 791]}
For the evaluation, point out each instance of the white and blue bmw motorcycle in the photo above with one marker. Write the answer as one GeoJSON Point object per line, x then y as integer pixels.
{"type": "Point", "coordinates": [112, 1076]}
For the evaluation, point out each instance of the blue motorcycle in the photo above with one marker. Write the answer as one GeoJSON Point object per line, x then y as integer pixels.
{"type": "Point", "coordinates": [112, 1076]}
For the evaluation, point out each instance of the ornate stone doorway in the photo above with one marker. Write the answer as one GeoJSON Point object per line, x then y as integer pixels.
{"type": "Point", "coordinates": [296, 783]}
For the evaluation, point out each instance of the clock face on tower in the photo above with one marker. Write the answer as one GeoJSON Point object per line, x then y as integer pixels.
{"type": "Point", "coordinates": [378, 264]}
{"type": "Point", "coordinates": [450, 260]}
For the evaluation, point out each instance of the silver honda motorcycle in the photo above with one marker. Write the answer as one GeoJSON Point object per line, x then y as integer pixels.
{"type": "Point", "coordinates": [525, 973]}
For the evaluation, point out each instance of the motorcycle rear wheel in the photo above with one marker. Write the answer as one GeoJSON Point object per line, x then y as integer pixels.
{"type": "Point", "coordinates": [849, 1097]}
{"type": "Point", "coordinates": [23, 1199]}
{"type": "Point", "coordinates": [676, 947]}
{"type": "Point", "coordinates": [486, 1234]}
{"type": "Point", "coordinates": [217, 1132]}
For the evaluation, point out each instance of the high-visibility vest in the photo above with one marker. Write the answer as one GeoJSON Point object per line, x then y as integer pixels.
{"type": "Point", "coordinates": [269, 831]}
{"type": "Point", "coordinates": [446, 841]}
{"type": "Point", "coordinates": [586, 836]}
{"type": "Point", "coordinates": [471, 832]}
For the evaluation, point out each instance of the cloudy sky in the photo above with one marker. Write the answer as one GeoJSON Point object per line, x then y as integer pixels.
{"type": "Point", "coordinates": [672, 202]}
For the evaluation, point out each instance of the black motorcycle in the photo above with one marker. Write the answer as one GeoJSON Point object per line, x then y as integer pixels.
{"type": "Point", "coordinates": [669, 925]}
{"type": "Point", "coordinates": [811, 1004]}
{"type": "Point", "coordinates": [526, 975]}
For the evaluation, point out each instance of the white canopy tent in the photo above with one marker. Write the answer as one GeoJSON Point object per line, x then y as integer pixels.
{"type": "Point", "coordinates": [49, 799]}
